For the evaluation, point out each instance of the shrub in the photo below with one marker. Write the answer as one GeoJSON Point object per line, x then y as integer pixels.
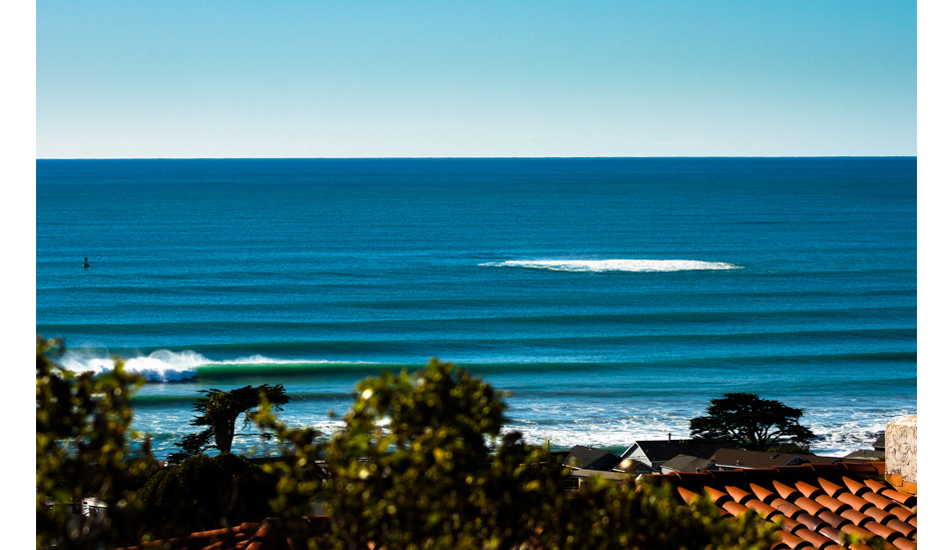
{"type": "Point", "coordinates": [421, 464]}
{"type": "Point", "coordinates": [205, 493]}
{"type": "Point", "coordinates": [82, 427]}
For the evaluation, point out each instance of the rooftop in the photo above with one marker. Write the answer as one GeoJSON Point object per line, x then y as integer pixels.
{"type": "Point", "coordinates": [589, 458]}
{"type": "Point", "coordinates": [814, 503]}
{"type": "Point", "coordinates": [735, 458]}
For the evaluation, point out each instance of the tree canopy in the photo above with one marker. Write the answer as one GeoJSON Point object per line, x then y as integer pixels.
{"type": "Point", "coordinates": [748, 421]}
{"type": "Point", "coordinates": [82, 450]}
{"type": "Point", "coordinates": [422, 463]}
{"type": "Point", "coordinates": [219, 411]}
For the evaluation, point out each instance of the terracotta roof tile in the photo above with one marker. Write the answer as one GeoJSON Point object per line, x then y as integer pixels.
{"type": "Point", "coordinates": [855, 502]}
{"type": "Point", "coordinates": [815, 539]}
{"type": "Point", "coordinates": [809, 506]}
{"type": "Point", "coordinates": [792, 541]}
{"type": "Point", "coordinates": [905, 529]}
{"type": "Point", "coordinates": [856, 517]}
{"type": "Point", "coordinates": [862, 533]}
{"type": "Point", "coordinates": [903, 498]}
{"type": "Point", "coordinates": [874, 485]}
{"type": "Point", "coordinates": [718, 497]}
{"type": "Point", "coordinates": [687, 495]}
{"type": "Point", "coordinates": [786, 492]}
{"type": "Point", "coordinates": [831, 503]}
{"type": "Point", "coordinates": [855, 487]}
{"type": "Point", "coordinates": [905, 544]}
{"type": "Point", "coordinates": [811, 522]}
{"type": "Point", "coordinates": [806, 489]}
{"type": "Point", "coordinates": [833, 519]}
{"type": "Point", "coordinates": [734, 508]}
{"type": "Point", "coordinates": [881, 501]}
{"type": "Point", "coordinates": [789, 525]}
{"type": "Point", "coordinates": [816, 504]}
{"type": "Point", "coordinates": [764, 509]}
{"type": "Point", "coordinates": [832, 489]}
{"type": "Point", "coordinates": [738, 494]}
{"type": "Point", "coordinates": [787, 508]}
{"type": "Point", "coordinates": [763, 494]}
{"type": "Point", "coordinates": [832, 534]}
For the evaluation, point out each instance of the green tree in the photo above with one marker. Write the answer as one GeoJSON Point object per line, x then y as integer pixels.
{"type": "Point", "coordinates": [748, 421]}
{"type": "Point", "coordinates": [421, 463]}
{"type": "Point", "coordinates": [204, 493]}
{"type": "Point", "coordinates": [82, 432]}
{"type": "Point", "coordinates": [219, 410]}
{"type": "Point", "coordinates": [415, 481]}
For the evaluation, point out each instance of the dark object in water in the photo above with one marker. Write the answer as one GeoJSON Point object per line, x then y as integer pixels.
{"type": "Point", "coordinates": [85, 262]}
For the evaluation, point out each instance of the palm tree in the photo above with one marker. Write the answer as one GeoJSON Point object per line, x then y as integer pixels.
{"type": "Point", "coordinates": [219, 411]}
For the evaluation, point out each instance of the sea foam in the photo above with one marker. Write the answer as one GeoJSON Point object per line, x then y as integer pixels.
{"type": "Point", "coordinates": [161, 365]}
{"type": "Point", "coordinates": [629, 265]}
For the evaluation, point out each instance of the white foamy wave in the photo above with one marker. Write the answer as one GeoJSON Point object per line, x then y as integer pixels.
{"type": "Point", "coordinates": [629, 265]}
{"type": "Point", "coordinates": [158, 366]}
{"type": "Point", "coordinates": [164, 365]}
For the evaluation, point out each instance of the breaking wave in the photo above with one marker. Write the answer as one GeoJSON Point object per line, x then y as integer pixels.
{"type": "Point", "coordinates": [628, 265]}
{"type": "Point", "coordinates": [162, 365]}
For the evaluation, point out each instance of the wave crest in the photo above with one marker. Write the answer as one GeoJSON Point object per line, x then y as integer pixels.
{"type": "Point", "coordinates": [161, 365]}
{"type": "Point", "coordinates": [628, 265]}
{"type": "Point", "coordinates": [158, 366]}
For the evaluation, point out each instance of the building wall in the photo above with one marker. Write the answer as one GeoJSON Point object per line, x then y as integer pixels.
{"type": "Point", "coordinates": [900, 455]}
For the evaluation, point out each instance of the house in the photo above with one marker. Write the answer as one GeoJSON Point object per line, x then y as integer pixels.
{"type": "Point", "coordinates": [589, 458]}
{"type": "Point", "coordinates": [816, 504]}
{"type": "Point", "coordinates": [686, 463]}
{"type": "Point", "coordinates": [654, 453]}
{"type": "Point", "coordinates": [736, 459]}
{"type": "Point", "coordinates": [876, 454]}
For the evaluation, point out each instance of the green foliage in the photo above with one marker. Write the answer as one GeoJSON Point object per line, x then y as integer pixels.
{"type": "Point", "coordinates": [82, 426]}
{"type": "Point", "coordinates": [748, 421]}
{"type": "Point", "coordinates": [204, 493]}
{"type": "Point", "coordinates": [219, 411]}
{"type": "Point", "coordinates": [415, 481]}
{"type": "Point", "coordinates": [299, 475]}
{"type": "Point", "coordinates": [419, 465]}
{"type": "Point", "coordinates": [621, 516]}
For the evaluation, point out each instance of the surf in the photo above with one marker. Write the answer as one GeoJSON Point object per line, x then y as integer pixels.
{"type": "Point", "coordinates": [625, 265]}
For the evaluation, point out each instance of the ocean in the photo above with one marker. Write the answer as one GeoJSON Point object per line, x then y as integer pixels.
{"type": "Point", "coordinates": [610, 298]}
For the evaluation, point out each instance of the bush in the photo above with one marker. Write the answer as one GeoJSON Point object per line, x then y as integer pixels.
{"type": "Point", "coordinates": [82, 427]}
{"type": "Point", "coordinates": [205, 493]}
{"type": "Point", "coordinates": [421, 464]}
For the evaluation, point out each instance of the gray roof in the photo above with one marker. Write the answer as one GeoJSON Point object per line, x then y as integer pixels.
{"type": "Point", "coordinates": [631, 466]}
{"type": "Point", "coordinates": [732, 458]}
{"type": "Point", "coordinates": [865, 454]}
{"type": "Point", "coordinates": [686, 463]}
{"type": "Point", "coordinates": [879, 443]}
{"type": "Point", "coordinates": [589, 458]}
{"type": "Point", "coordinates": [664, 449]}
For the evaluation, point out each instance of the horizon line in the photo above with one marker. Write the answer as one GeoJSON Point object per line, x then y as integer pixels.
{"type": "Point", "coordinates": [489, 157]}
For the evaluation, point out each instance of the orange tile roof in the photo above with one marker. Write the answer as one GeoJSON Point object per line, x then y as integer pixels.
{"type": "Point", "coordinates": [264, 535]}
{"type": "Point", "coordinates": [814, 503]}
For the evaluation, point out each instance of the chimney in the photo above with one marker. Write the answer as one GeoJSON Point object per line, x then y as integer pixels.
{"type": "Point", "coordinates": [900, 454]}
{"type": "Point", "coordinates": [669, 437]}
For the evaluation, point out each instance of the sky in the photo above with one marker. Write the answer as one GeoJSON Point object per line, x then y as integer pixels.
{"type": "Point", "coordinates": [362, 78]}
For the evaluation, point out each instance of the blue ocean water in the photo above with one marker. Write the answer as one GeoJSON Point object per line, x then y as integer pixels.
{"type": "Point", "coordinates": [612, 298]}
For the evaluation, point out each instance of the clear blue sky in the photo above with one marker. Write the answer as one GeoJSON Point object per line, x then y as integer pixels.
{"type": "Point", "coordinates": [487, 78]}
